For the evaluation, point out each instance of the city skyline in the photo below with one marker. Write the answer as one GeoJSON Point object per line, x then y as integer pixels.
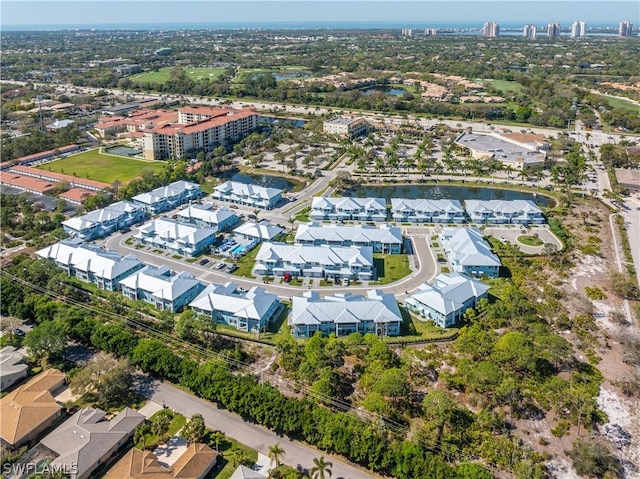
{"type": "Point", "coordinates": [323, 14]}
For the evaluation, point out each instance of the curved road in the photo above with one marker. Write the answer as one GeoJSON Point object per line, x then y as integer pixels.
{"type": "Point", "coordinates": [252, 435]}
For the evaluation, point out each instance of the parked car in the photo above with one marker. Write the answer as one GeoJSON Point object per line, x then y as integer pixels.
{"type": "Point", "coordinates": [204, 261]}
{"type": "Point", "coordinates": [231, 268]}
{"type": "Point", "coordinates": [220, 265]}
{"type": "Point", "coordinates": [503, 239]}
{"type": "Point", "coordinates": [19, 332]}
{"type": "Point", "coordinates": [345, 281]}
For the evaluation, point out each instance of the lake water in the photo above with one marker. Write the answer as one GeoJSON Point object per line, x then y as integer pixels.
{"type": "Point", "coordinates": [270, 181]}
{"type": "Point", "coordinates": [286, 122]}
{"type": "Point", "coordinates": [385, 89]}
{"type": "Point", "coordinates": [450, 192]}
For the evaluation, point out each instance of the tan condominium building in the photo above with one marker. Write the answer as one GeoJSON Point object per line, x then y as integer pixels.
{"type": "Point", "coordinates": [345, 126]}
{"type": "Point", "coordinates": [198, 129]}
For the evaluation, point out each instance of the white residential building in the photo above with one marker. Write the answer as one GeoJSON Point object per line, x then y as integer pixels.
{"type": "Point", "coordinates": [315, 261]}
{"type": "Point", "coordinates": [344, 314]}
{"type": "Point", "coordinates": [469, 253]}
{"type": "Point", "coordinates": [383, 238]}
{"type": "Point", "coordinates": [165, 291]}
{"type": "Point", "coordinates": [178, 237]}
{"type": "Point", "coordinates": [445, 301]}
{"type": "Point", "coordinates": [12, 367]}
{"type": "Point", "coordinates": [208, 216]}
{"type": "Point", "coordinates": [522, 212]}
{"type": "Point", "coordinates": [229, 304]}
{"type": "Point", "coordinates": [91, 263]}
{"type": "Point", "coordinates": [250, 195]}
{"type": "Point", "coordinates": [578, 30]}
{"type": "Point", "coordinates": [345, 126]}
{"type": "Point", "coordinates": [491, 29]}
{"type": "Point", "coordinates": [625, 30]}
{"type": "Point", "coordinates": [263, 231]}
{"type": "Point", "coordinates": [348, 209]}
{"type": "Point", "coordinates": [406, 210]}
{"type": "Point", "coordinates": [102, 222]}
{"type": "Point", "coordinates": [168, 197]}
{"type": "Point", "coordinates": [529, 31]}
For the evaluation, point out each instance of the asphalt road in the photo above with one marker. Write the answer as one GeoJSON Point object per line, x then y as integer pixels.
{"type": "Point", "coordinates": [427, 262]}
{"type": "Point", "coordinates": [254, 436]}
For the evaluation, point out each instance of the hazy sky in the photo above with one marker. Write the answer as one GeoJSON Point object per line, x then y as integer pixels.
{"type": "Point", "coordinates": [95, 12]}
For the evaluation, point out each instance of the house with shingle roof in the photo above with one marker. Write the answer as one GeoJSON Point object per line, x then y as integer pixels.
{"type": "Point", "coordinates": [251, 195]}
{"type": "Point", "coordinates": [86, 440]}
{"type": "Point", "coordinates": [348, 209]}
{"type": "Point", "coordinates": [91, 263]}
{"type": "Point", "coordinates": [522, 212]}
{"type": "Point", "coordinates": [383, 239]}
{"type": "Point", "coordinates": [162, 289]}
{"type": "Point", "coordinates": [181, 238]}
{"type": "Point", "coordinates": [12, 367]}
{"type": "Point", "coordinates": [469, 253]}
{"type": "Point", "coordinates": [168, 197]}
{"type": "Point", "coordinates": [445, 301]}
{"type": "Point", "coordinates": [229, 304]}
{"type": "Point", "coordinates": [405, 210]}
{"type": "Point", "coordinates": [30, 408]}
{"type": "Point", "coordinates": [194, 463]}
{"type": "Point", "coordinates": [315, 261]}
{"type": "Point", "coordinates": [345, 313]}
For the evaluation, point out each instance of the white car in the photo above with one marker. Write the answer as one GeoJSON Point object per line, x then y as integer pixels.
{"type": "Point", "coordinates": [502, 238]}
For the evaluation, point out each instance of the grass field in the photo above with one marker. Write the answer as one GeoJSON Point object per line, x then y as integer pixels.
{"type": "Point", "coordinates": [162, 75]}
{"type": "Point", "coordinates": [505, 86]}
{"type": "Point", "coordinates": [619, 103]}
{"type": "Point", "coordinates": [390, 267]}
{"type": "Point", "coordinates": [97, 166]}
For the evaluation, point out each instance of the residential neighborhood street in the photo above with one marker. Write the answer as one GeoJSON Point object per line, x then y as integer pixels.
{"type": "Point", "coordinates": [254, 436]}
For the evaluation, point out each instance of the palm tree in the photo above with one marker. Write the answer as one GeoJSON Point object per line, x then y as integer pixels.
{"type": "Point", "coordinates": [276, 452]}
{"type": "Point", "coordinates": [160, 426]}
{"type": "Point", "coordinates": [321, 468]}
{"type": "Point", "coordinates": [140, 435]}
{"type": "Point", "coordinates": [216, 437]}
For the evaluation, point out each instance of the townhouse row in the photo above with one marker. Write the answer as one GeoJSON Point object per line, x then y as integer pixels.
{"type": "Point", "coordinates": [405, 210]}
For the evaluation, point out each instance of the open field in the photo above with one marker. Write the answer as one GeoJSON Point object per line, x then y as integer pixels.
{"type": "Point", "coordinates": [94, 165]}
{"type": "Point", "coordinates": [391, 267]}
{"type": "Point", "coordinates": [163, 74]}
{"type": "Point", "coordinates": [619, 103]}
{"type": "Point", "coordinates": [505, 86]}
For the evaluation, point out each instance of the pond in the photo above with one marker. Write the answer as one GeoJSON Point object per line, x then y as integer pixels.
{"type": "Point", "coordinates": [270, 181]}
{"type": "Point", "coordinates": [279, 76]}
{"type": "Point", "coordinates": [449, 192]}
{"type": "Point", "coordinates": [286, 122]}
{"type": "Point", "coordinates": [385, 89]}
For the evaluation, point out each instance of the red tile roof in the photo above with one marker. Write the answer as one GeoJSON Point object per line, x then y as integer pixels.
{"type": "Point", "coordinates": [43, 154]}
{"type": "Point", "coordinates": [231, 115]}
{"type": "Point", "coordinates": [27, 170]}
{"type": "Point", "coordinates": [27, 183]}
{"type": "Point", "coordinates": [77, 195]}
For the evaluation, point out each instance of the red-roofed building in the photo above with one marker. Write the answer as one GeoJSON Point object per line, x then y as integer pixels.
{"type": "Point", "coordinates": [33, 185]}
{"type": "Point", "coordinates": [136, 121]}
{"type": "Point", "coordinates": [198, 129]}
{"type": "Point", "coordinates": [76, 195]}
{"type": "Point", "coordinates": [43, 155]}
{"type": "Point", "coordinates": [51, 176]}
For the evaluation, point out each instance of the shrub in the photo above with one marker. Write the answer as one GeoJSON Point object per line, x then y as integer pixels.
{"type": "Point", "coordinates": [595, 293]}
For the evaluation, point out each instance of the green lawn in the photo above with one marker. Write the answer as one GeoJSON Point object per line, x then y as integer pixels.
{"type": "Point", "coordinates": [225, 467]}
{"type": "Point", "coordinates": [177, 422]}
{"type": "Point", "coordinates": [530, 240]}
{"type": "Point", "coordinates": [246, 263]}
{"type": "Point", "coordinates": [391, 267]}
{"type": "Point", "coordinates": [97, 166]}
{"type": "Point", "coordinates": [303, 215]}
{"type": "Point", "coordinates": [275, 329]}
{"type": "Point", "coordinates": [619, 103]}
{"type": "Point", "coordinates": [162, 75]}
{"type": "Point", "coordinates": [505, 86]}
{"type": "Point", "coordinates": [414, 329]}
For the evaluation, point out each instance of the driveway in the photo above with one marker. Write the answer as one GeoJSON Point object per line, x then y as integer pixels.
{"type": "Point", "coordinates": [254, 436]}
{"type": "Point", "coordinates": [511, 234]}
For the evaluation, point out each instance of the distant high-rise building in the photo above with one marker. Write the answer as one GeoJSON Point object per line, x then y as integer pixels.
{"type": "Point", "coordinates": [553, 30]}
{"type": "Point", "coordinates": [529, 31]}
{"type": "Point", "coordinates": [430, 31]}
{"type": "Point", "coordinates": [407, 32]}
{"type": "Point", "coordinates": [578, 30]}
{"type": "Point", "coordinates": [626, 29]}
{"type": "Point", "coordinates": [491, 29]}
